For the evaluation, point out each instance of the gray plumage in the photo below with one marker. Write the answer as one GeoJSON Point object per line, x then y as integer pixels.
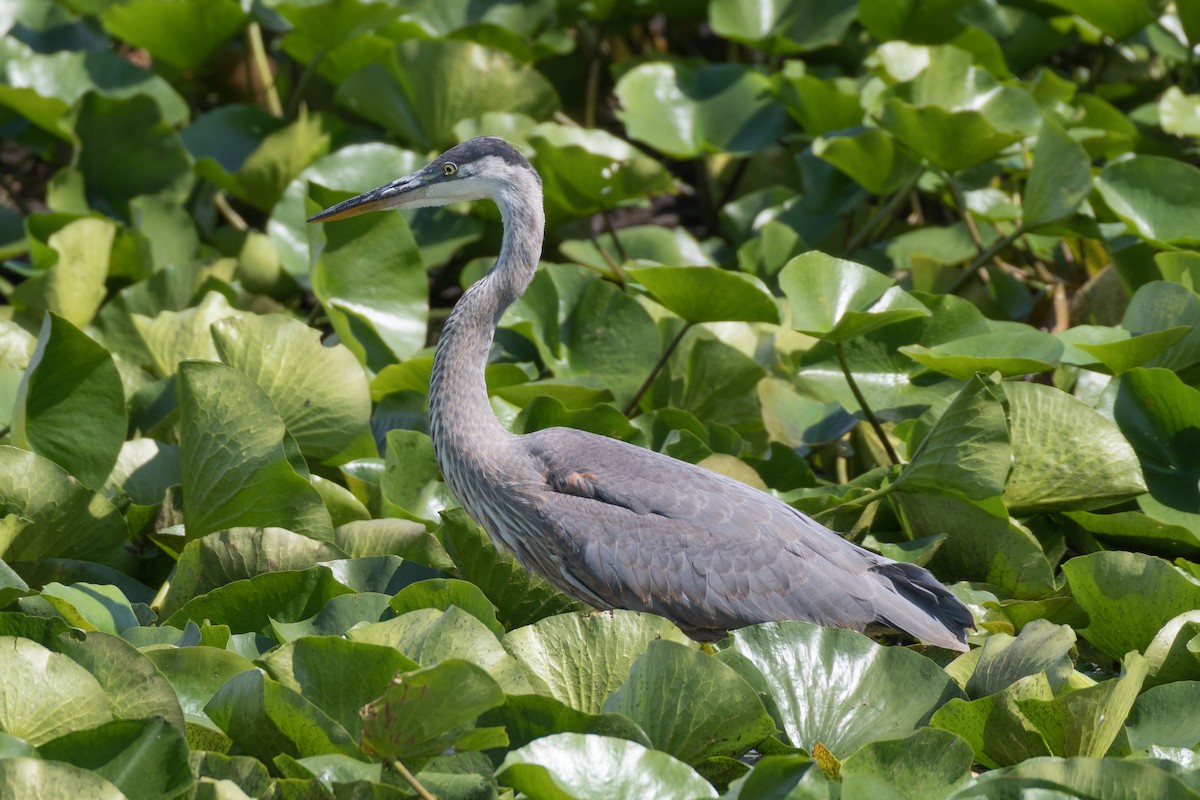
{"type": "Point", "coordinates": [615, 525]}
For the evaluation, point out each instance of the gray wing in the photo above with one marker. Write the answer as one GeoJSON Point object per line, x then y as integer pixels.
{"type": "Point", "coordinates": [644, 531]}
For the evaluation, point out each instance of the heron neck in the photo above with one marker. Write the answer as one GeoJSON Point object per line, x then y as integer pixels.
{"type": "Point", "coordinates": [461, 421]}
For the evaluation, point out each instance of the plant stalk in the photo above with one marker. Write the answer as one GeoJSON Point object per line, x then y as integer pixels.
{"type": "Point", "coordinates": [421, 791]}
{"type": "Point", "coordinates": [262, 66]}
{"type": "Point", "coordinates": [662, 362]}
{"type": "Point", "coordinates": [984, 257]}
{"type": "Point", "coordinates": [883, 212]}
{"type": "Point", "coordinates": [862, 403]}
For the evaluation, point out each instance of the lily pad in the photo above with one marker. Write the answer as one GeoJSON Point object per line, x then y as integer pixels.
{"type": "Point", "coordinates": [690, 704]}
{"type": "Point", "coordinates": [708, 294]}
{"type": "Point", "coordinates": [839, 300]}
{"type": "Point", "coordinates": [237, 468]}
{"type": "Point", "coordinates": [582, 766]}
{"type": "Point", "coordinates": [854, 673]}
{"type": "Point", "coordinates": [1010, 354]}
{"type": "Point", "coordinates": [44, 695]}
{"type": "Point", "coordinates": [71, 405]}
{"type": "Point", "coordinates": [1155, 197]}
{"type": "Point", "coordinates": [686, 112]}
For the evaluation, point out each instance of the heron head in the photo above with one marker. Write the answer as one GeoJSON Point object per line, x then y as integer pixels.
{"type": "Point", "coordinates": [485, 167]}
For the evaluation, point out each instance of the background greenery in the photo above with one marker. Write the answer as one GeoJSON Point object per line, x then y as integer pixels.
{"type": "Point", "coordinates": [924, 268]}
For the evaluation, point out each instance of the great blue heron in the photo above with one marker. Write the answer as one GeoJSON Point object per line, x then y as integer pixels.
{"type": "Point", "coordinates": [612, 524]}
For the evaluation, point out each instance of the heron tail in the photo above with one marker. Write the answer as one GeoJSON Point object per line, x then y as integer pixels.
{"type": "Point", "coordinates": [923, 607]}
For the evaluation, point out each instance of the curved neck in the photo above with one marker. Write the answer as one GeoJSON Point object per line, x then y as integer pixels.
{"type": "Point", "coordinates": [461, 421]}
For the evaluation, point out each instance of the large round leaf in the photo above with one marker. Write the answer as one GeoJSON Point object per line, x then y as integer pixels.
{"type": "Point", "coordinates": [44, 695]}
{"type": "Point", "coordinates": [418, 714]}
{"type": "Point", "coordinates": [237, 469]}
{"type": "Point", "coordinates": [1066, 456]}
{"type": "Point", "coordinates": [196, 674]}
{"type": "Point", "coordinates": [1128, 597]}
{"type": "Point", "coordinates": [690, 704]}
{"type": "Point", "coordinates": [582, 658]}
{"type": "Point", "coordinates": [52, 515]}
{"type": "Point", "coordinates": [71, 405]}
{"type": "Point", "coordinates": [53, 780]}
{"type": "Point", "coordinates": [265, 719]}
{"type": "Point", "coordinates": [320, 392]}
{"type": "Point", "coordinates": [708, 294]}
{"type": "Point", "coordinates": [1155, 196]}
{"type": "Point", "coordinates": [73, 288]}
{"type": "Point", "coordinates": [838, 688]}
{"type": "Point", "coordinates": [685, 112]}
{"type": "Point", "coordinates": [183, 33]}
{"type": "Point", "coordinates": [839, 300]}
{"type": "Point", "coordinates": [783, 27]}
{"type": "Point", "coordinates": [1060, 179]}
{"type": "Point", "coordinates": [422, 88]}
{"type": "Point", "coordinates": [1010, 353]}
{"type": "Point", "coordinates": [583, 766]}
{"type": "Point", "coordinates": [145, 758]}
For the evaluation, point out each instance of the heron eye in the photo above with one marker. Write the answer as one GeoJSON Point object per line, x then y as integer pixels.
{"type": "Point", "coordinates": [450, 169]}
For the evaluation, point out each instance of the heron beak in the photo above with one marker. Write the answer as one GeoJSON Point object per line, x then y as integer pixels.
{"type": "Point", "coordinates": [391, 195]}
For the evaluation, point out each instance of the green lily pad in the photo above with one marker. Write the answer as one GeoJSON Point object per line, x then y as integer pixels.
{"type": "Point", "coordinates": [520, 597]}
{"type": "Point", "coordinates": [52, 515]}
{"type": "Point", "coordinates": [585, 171]}
{"type": "Point", "coordinates": [582, 658]}
{"type": "Point", "coordinates": [441, 593]}
{"type": "Point", "coordinates": [173, 336]}
{"type": "Point", "coordinates": [951, 140]}
{"type": "Point", "coordinates": [73, 287]}
{"type": "Point", "coordinates": [1160, 416]}
{"type": "Point", "coordinates": [1066, 456]}
{"type": "Point", "coordinates": [1122, 779]}
{"type": "Point", "coordinates": [1041, 647]}
{"type": "Point", "coordinates": [320, 392]}
{"type": "Point", "coordinates": [930, 763]}
{"type": "Point", "coordinates": [797, 420]}
{"type": "Point", "coordinates": [795, 26]}
{"type": "Point", "coordinates": [1009, 353]}
{"type": "Point", "coordinates": [196, 673]}
{"type": "Point", "coordinates": [337, 675]}
{"type": "Point", "coordinates": [912, 20]}
{"type": "Point", "coordinates": [429, 636]}
{"type": "Point", "coordinates": [998, 732]}
{"type": "Point", "coordinates": [183, 33]}
{"type": "Point", "coordinates": [820, 105]}
{"type": "Point", "coordinates": [420, 89]}
{"type": "Point", "coordinates": [1118, 19]}
{"type": "Point", "coordinates": [1174, 654]}
{"type": "Point", "coordinates": [238, 554]}
{"type": "Point", "coordinates": [144, 758]}
{"type": "Point", "coordinates": [1155, 197]}
{"type": "Point", "coordinates": [1060, 179]}
{"type": "Point", "coordinates": [409, 467]}
{"type": "Point", "coordinates": [54, 780]}
{"type": "Point", "coordinates": [1085, 722]}
{"type": "Point", "coordinates": [370, 279]}
{"type": "Point", "coordinates": [44, 694]}
{"type": "Point", "coordinates": [249, 605]}
{"type": "Point", "coordinates": [869, 156]}
{"type": "Point", "coordinates": [1128, 597]}
{"type": "Point", "coordinates": [708, 294]}
{"type": "Point", "coordinates": [1162, 716]}
{"type": "Point", "coordinates": [967, 451]}
{"type": "Point", "coordinates": [686, 112]}
{"type": "Point", "coordinates": [252, 154]}
{"type": "Point", "coordinates": [71, 405]}
{"type": "Point", "coordinates": [673, 247]}
{"type": "Point", "coordinates": [127, 149]}
{"type": "Point", "coordinates": [92, 607]}
{"type": "Point", "coordinates": [338, 616]}
{"type": "Point", "coordinates": [1159, 306]}
{"type": "Point", "coordinates": [582, 766]}
{"type": "Point", "coordinates": [690, 704]}
{"type": "Point", "coordinates": [527, 717]}
{"type": "Point", "coordinates": [417, 716]}
{"type": "Point", "coordinates": [839, 300]}
{"type": "Point", "coordinates": [1116, 350]}
{"type": "Point", "coordinates": [265, 718]}
{"type": "Point", "coordinates": [854, 674]}
{"type": "Point", "coordinates": [238, 467]}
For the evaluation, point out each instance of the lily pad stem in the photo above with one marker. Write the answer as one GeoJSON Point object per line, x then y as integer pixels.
{"type": "Point", "coordinates": [617, 274]}
{"type": "Point", "coordinates": [293, 105]}
{"type": "Point", "coordinates": [662, 362]}
{"type": "Point", "coordinates": [862, 403]}
{"type": "Point", "coordinates": [263, 67]}
{"type": "Point", "coordinates": [865, 500]}
{"type": "Point", "coordinates": [885, 211]}
{"type": "Point", "coordinates": [987, 255]}
{"type": "Point", "coordinates": [160, 597]}
{"type": "Point", "coordinates": [421, 791]}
